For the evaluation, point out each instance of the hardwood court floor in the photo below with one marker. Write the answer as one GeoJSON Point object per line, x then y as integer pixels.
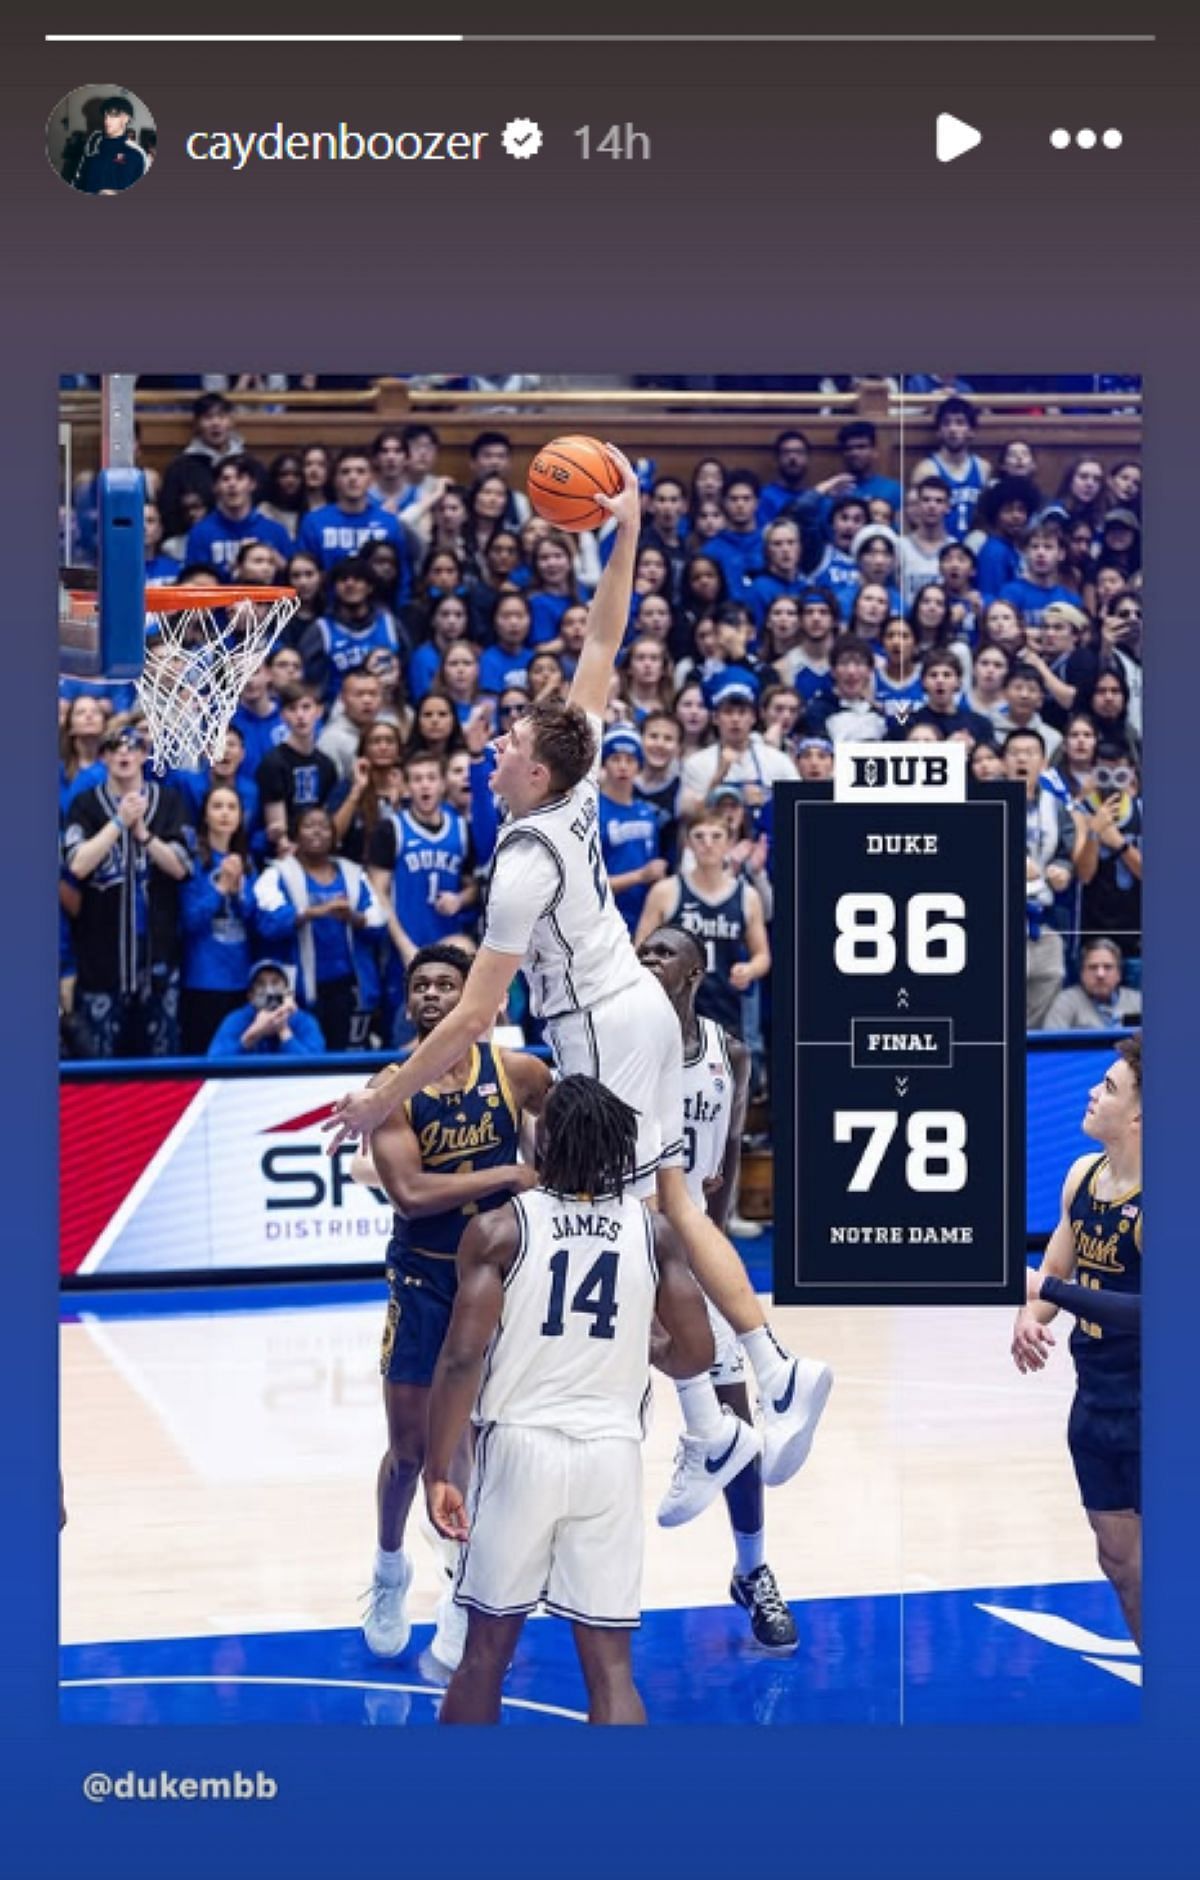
{"type": "Point", "coordinates": [220, 1468]}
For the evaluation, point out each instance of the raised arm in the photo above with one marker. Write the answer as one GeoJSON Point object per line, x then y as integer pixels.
{"type": "Point", "coordinates": [1060, 691]}
{"type": "Point", "coordinates": [608, 615]}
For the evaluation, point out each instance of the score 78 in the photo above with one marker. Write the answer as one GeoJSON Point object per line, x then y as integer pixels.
{"type": "Point", "coordinates": [937, 1140]}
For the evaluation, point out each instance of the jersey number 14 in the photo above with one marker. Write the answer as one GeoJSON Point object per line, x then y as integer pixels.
{"type": "Point", "coordinates": [595, 1295]}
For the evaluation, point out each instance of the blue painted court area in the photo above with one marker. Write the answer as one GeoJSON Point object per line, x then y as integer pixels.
{"type": "Point", "coordinates": [1050, 1654]}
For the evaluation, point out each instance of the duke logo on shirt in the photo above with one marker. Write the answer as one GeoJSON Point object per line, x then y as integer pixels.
{"type": "Point", "coordinates": [306, 785]}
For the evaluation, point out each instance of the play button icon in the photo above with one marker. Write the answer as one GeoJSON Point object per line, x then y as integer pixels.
{"type": "Point", "coordinates": [954, 138]}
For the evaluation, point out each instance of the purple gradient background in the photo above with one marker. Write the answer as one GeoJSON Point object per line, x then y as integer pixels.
{"type": "Point", "coordinates": [793, 219]}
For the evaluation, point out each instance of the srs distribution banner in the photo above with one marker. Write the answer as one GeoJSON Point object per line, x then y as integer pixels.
{"type": "Point", "coordinates": [183, 1175]}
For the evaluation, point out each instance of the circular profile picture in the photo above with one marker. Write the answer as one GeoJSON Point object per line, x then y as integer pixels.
{"type": "Point", "coordinates": [101, 140]}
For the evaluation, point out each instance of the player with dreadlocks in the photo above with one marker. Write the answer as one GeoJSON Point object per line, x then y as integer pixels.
{"type": "Point", "coordinates": [573, 1161]}
{"type": "Point", "coordinates": [549, 1340]}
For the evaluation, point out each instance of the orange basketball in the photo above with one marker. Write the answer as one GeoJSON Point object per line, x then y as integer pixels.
{"type": "Point", "coordinates": [564, 478]}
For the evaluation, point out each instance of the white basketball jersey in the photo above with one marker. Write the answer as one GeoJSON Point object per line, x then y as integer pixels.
{"type": "Point", "coordinates": [581, 951]}
{"type": "Point", "coordinates": [571, 1351]}
{"type": "Point", "coordinates": [707, 1108]}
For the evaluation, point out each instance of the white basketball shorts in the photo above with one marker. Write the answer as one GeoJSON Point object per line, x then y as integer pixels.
{"type": "Point", "coordinates": [632, 1043]}
{"type": "Point", "coordinates": [555, 1519]}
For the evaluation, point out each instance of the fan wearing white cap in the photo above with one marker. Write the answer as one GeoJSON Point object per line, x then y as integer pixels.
{"type": "Point", "coordinates": [741, 755]}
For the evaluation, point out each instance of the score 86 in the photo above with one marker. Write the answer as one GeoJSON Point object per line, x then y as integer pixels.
{"type": "Point", "coordinates": [935, 940]}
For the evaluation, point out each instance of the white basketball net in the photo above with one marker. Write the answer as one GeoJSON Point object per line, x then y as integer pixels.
{"type": "Point", "coordinates": [197, 661]}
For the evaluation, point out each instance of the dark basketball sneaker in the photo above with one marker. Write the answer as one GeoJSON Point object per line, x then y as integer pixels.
{"type": "Point", "coordinates": [770, 1620]}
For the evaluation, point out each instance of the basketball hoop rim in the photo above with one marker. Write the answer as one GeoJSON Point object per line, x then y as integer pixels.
{"type": "Point", "coordinates": [177, 600]}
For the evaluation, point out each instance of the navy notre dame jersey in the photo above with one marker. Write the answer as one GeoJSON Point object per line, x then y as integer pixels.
{"type": "Point", "coordinates": [458, 1131]}
{"type": "Point", "coordinates": [1108, 1253]}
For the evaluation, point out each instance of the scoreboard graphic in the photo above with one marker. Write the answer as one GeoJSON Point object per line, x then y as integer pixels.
{"type": "Point", "coordinates": [899, 1033]}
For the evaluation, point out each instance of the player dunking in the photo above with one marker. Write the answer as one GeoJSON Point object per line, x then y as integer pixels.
{"type": "Point", "coordinates": [716, 1083]}
{"type": "Point", "coordinates": [445, 1156]}
{"type": "Point", "coordinates": [1099, 1238]}
{"type": "Point", "coordinates": [549, 1340]}
{"type": "Point", "coordinates": [550, 909]}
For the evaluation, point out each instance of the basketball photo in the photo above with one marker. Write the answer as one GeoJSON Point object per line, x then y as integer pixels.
{"type": "Point", "coordinates": [600, 999]}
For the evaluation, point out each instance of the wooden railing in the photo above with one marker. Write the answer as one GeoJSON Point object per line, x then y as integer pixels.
{"type": "Point", "coordinates": [675, 428]}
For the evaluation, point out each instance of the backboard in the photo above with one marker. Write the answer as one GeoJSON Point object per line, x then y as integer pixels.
{"type": "Point", "coordinates": [101, 541]}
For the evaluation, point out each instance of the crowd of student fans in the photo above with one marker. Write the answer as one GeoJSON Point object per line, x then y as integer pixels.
{"type": "Point", "coordinates": [269, 901]}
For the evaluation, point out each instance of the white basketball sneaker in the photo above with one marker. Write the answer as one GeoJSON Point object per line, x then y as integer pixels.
{"type": "Point", "coordinates": [450, 1636]}
{"type": "Point", "coordinates": [386, 1625]}
{"type": "Point", "coordinates": [790, 1419]}
{"type": "Point", "coordinates": [741, 1229]}
{"type": "Point", "coordinates": [703, 1468]}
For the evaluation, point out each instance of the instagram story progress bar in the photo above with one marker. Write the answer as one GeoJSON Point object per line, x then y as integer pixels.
{"type": "Point", "coordinates": [600, 39]}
